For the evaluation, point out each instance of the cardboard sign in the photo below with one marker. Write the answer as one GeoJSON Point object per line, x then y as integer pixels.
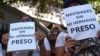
{"type": "Point", "coordinates": [22, 36]}
{"type": "Point", "coordinates": [81, 21]}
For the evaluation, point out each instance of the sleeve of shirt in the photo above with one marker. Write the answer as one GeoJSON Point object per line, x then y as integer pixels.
{"type": "Point", "coordinates": [46, 44]}
{"type": "Point", "coordinates": [60, 40]}
{"type": "Point", "coordinates": [1, 51]}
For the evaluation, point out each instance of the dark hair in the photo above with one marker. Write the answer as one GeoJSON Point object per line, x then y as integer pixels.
{"type": "Point", "coordinates": [26, 15]}
{"type": "Point", "coordinates": [50, 26]}
{"type": "Point", "coordinates": [65, 28]}
{"type": "Point", "coordinates": [67, 2]}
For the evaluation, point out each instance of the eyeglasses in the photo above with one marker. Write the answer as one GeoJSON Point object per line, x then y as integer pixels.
{"type": "Point", "coordinates": [26, 20]}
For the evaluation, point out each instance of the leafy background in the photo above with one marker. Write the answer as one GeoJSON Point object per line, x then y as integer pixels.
{"type": "Point", "coordinates": [44, 4]}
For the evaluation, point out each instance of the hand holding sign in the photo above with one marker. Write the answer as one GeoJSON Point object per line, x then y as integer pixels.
{"type": "Point", "coordinates": [40, 37]}
{"type": "Point", "coordinates": [70, 44]}
{"type": "Point", "coordinates": [5, 38]}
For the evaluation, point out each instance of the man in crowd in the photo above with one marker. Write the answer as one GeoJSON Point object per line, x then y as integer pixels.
{"type": "Point", "coordinates": [43, 44]}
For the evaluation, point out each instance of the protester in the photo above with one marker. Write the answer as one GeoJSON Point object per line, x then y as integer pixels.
{"type": "Point", "coordinates": [60, 43]}
{"type": "Point", "coordinates": [1, 31]}
{"type": "Point", "coordinates": [52, 36]}
{"type": "Point", "coordinates": [85, 47]}
{"type": "Point", "coordinates": [60, 47]}
{"type": "Point", "coordinates": [5, 41]}
{"type": "Point", "coordinates": [1, 50]}
{"type": "Point", "coordinates": [43, 44]}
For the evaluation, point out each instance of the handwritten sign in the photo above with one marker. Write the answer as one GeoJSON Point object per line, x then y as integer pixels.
{"type": "Point", "coordinates": [22, 36]}
{"type": "Point", "coordinates": [81, 21]}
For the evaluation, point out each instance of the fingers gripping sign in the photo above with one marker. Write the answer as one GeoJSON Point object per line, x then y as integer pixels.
{"type": "Point", "coordinates": [70, 44]}
{"type": "Point", "coordinates": [39, 36]}
{"type": "Point", "coordinates": [5, 38]}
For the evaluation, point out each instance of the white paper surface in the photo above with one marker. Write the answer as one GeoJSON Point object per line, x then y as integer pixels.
{"type": "Point", "coordinates": [22, 36]}
{"type": "Point", "coordinates": [81, 21]}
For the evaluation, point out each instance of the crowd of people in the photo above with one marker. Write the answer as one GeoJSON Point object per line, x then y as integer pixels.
{"type": "Point", "coordinates": [58, 43]}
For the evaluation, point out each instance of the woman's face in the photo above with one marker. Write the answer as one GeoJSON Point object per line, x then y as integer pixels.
{"type": "Point", "coordinates": [25, 19]}
{"type": "Point", "coordinates": [52, 35]}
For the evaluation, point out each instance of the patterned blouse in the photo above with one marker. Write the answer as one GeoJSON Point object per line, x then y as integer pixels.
{"type": "Point", "coordinates": [87, 47]}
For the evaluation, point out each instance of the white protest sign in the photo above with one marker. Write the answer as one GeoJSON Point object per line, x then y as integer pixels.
{"type": "Point", "coordinates": [22, 36]}
{"type": "Point", "coordinates": [1, 50]}
{"type": "Point", "coordinates": [81, 21]}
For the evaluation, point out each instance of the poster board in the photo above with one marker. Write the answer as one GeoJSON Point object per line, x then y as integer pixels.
{"type": "Point", "coordinates": [22, 36]}
{"type": "Point", "coordinates": [81, 21]}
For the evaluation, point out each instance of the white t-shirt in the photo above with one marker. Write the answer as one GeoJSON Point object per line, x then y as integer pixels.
{"type": "Point", "coordinates": [20, 53]}
{"type": "Point", "coordinates": [1, 50]}
{"type": "Point", "coordinates": [61, 39]}
{"type": "Point", "coordinates": [47, 46]}
{"type": "Point", "coordinates": [35, 53]}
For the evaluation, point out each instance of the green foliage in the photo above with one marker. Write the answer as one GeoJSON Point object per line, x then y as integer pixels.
{"type": "Point", "coordinates": [41, 8]}
{"type": "Point", "coordinates": [99, 21]}
{"type": "Point", "coordinates": [95, 4]}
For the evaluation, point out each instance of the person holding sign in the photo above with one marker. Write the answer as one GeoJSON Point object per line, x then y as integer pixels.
{"type": "Point", "coordinates": [84, 47]}
{"type": "Point", "coordinates": [2, 30]}
{"type": "Point", "coordinates": [44, 47]}
{"type": "Point", "coordinates": [52, 36]}
{"type": "Point", "coordinates": [60, 43]}
{"type": "Point", "coordinates": [1, 50]}
{"type": "Point", "coordinates": [41, 42]}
